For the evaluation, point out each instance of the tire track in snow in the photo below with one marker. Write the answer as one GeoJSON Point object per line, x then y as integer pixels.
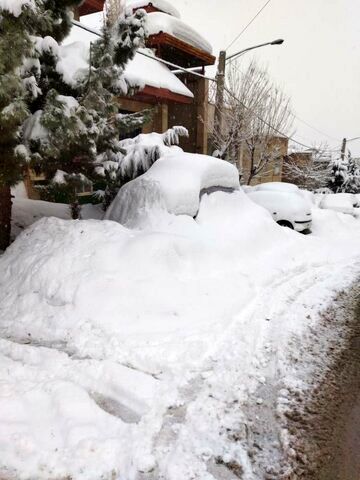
{"type": "Point", "coordinates": [245, 421]}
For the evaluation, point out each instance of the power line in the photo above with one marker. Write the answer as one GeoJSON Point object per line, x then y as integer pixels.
{"type": "Point", "coordinates": [314, 128]}
{"type": "Point", "coordinates": [189, 72]}
{"type": "Point", "coordinates": [248, 25]}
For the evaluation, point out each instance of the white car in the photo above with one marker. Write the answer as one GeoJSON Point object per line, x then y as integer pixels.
{"type": "Point", "coordinates": [286, 203]}
{"type": "Point", "coordinates": [340, 202]}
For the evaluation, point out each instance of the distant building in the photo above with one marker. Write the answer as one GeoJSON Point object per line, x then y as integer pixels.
{"type": "Point", "coordinates": [275, 152]}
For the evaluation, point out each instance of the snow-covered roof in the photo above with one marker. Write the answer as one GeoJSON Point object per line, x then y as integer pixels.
{"type": "Point", "coordinates": [162, 5]}
{"type": "Point", "coordinates": [142, 71]}
{"type": "Point", "coordinates": [158, 22]}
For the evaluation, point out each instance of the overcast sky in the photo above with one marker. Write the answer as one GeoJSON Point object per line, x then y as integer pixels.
{"type": "Point", "coordinates": [318, 66]}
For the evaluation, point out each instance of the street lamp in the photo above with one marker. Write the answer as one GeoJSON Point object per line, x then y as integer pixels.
{"type": "Point", "coordinates": [279, 41]}
{"type": "Point", "coordinates": [220, 76]}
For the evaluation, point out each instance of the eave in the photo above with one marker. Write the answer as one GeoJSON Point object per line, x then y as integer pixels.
{"type": "Point", "coordinates": [170, 48]}
{"type": "Point", "coordinates": [91, 6]}
{"type": "Point", "coordinates": [155, 95]}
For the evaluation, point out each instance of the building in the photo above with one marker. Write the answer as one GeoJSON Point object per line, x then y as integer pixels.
{"type": "Point", "coordinates": [175, 99]}
{"type": "Point", "coordinates": [180, 99]}
{"type": "Point", "coordinates": [272, 156]}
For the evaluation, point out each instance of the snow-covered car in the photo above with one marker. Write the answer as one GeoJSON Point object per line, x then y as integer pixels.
{"type": "Point", "coordinates": [173, 185]}
{"type": "Point", "coordinates": [340, 202]}
{"type": "Point", "coordinates": [276, 187]}
{"type": "Point", "coordinates": [288, 208]}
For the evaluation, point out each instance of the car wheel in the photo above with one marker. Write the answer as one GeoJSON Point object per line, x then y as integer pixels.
{"type": "Point", "coordinates": [285, 223]}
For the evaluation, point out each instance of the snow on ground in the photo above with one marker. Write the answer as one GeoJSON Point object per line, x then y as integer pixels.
{"type": "Point", "coordinates": [26, 211]}
{"type": "Point", "coordinates": [125, 352]}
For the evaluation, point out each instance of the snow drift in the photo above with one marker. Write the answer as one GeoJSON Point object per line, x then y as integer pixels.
{"type": "Point", "coordinates": [101, 326]}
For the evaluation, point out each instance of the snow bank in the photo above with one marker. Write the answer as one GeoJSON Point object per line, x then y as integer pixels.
{"type": "Point", "coordinates": [173, 184]}
{"type": "Point", "coordinates": [105, 332]}
{"type": "Point", "coordinates": [158, 22]}
{"type": "Point", "coordinates": [26, 211]}
{"type": "Point", "coordinates": [162, 5]}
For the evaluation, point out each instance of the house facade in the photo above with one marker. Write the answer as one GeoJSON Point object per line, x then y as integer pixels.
{"type": "Point", "coordinates": [170, 39]}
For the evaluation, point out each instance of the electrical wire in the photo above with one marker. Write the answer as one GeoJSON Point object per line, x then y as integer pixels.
{"type": "Point", "coordinates": [178, 67]}
{"type": "Point", "coordinates": [315, 129]}
{"type": "Point", "coordinates": [248, 25]}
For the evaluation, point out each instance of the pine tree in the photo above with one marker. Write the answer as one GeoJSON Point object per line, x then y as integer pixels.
{"type": "Point", "coordinates": [353, 182]}
{"type": "Point", "coordinates": [76, 128]}
{"type": "Point", "coordinates": [345, 175]}
{"type": "Point", "coordinates": [339, 175]}
{"type": "Point", "coordinates": [24, 25]}
{"type": "Point", "coordinates": [15, 44]}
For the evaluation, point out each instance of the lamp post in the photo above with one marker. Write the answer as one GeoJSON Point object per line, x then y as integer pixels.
{"type": "Point", "coordinates": [220, 76]}
{"type": "Point", "coordinates": [344, 143]}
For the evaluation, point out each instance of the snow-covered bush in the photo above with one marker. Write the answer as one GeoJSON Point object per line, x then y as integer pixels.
{"type": "Point", "coordinates": [345, 175]}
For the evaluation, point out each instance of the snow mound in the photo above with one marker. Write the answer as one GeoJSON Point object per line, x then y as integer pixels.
{"type": "Point", "coordinates": [162, 5]}
{"type": "Point", "coordinates": [158, 22]}
{"type": "Point", "coordinates": [173, 184]}
{"type": "Point", "coordinates": [101, 327]}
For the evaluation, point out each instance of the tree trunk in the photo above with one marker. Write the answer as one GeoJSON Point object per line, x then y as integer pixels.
{"type": "Point", "coordinates": [5, 216]}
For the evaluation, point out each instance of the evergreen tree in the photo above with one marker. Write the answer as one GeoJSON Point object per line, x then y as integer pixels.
{"type": "Point", "coordinates": [76, 128]}
{"type": "Point", "coordinates": [345, 175]}
{"type": "Point", "coordinates": [24, 25]}
{"type": "Point", "coordinates": [353, 182]}
{"type": "Point", "coordinates": [15, 45]}
{"type": "Point", "coordinates": [339, 175]}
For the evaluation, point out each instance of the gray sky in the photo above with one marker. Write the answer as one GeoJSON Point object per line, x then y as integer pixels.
{"type": "Point", "coordinates": [318, 66]}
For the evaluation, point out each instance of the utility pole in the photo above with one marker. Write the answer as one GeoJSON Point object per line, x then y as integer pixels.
{"type": "Point", "coordinates": [343, 149]}
{"type": "Point", "coordinates": [219, 102]}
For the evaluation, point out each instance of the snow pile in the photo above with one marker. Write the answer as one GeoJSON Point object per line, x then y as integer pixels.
{"type": "Point", "coordinates": [26, 211]}
{"type": "Point", "coordinates": [127, 352]}
{"type": "Point", "coordinates": [158, 22]}
{"type": "Point", "coordinates": [162, 5]}
{"type": "Point", "coordinates": [173, 184]}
